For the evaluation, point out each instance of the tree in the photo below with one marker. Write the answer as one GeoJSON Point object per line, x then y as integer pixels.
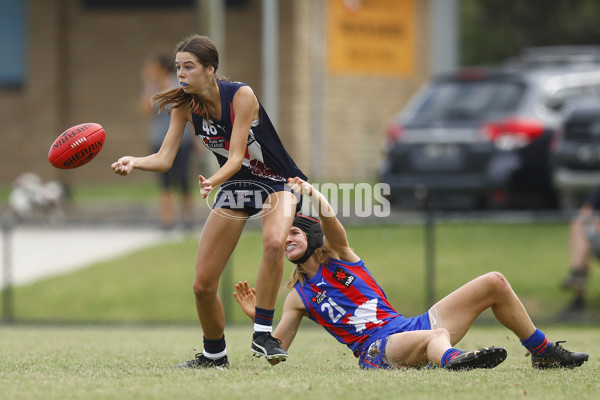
{"type": "Point", "coordinates": [493, 30]}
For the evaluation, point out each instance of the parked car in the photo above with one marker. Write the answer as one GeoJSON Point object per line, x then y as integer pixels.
{"type": "Point", "coordinates": [576, 156]}
{"type": "Point", "coordinates": [480, 137]}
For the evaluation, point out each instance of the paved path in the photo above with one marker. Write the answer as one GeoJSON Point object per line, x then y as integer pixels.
{"type": "Point", "coordinates": [38, 252]}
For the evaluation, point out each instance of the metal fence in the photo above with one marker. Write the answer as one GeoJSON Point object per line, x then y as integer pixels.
{"type": "Point", "coordinates": [131, 271]}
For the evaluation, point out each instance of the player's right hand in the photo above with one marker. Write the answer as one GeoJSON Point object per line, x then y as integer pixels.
{"type": "Point", "coordinates": [246, 298]}
{"type": "Point", "coordinates": [123, 166]}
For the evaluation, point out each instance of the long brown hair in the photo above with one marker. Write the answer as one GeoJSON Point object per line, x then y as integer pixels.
{"type": "Point", "coordinates": [298, 275]}
{"type": "Point", "coordinates": [206, 53]}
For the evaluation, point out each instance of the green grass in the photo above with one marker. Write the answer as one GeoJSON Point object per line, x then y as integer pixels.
{"type": "Point", "coordinates": [154, 284]}
{"type": "Point", "coordinates": [137, 363]}
{"type": "Point", "coordinates": [4, 192]}
{"type": "Point", "coordinates": [98, 361]}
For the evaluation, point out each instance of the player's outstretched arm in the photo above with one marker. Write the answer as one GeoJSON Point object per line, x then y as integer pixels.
{"type": "Point", "coordinates": [334, 231]}
{"type": "Point", "coordinates": [291, 316]}
{"type": "Point", "coordinates": [163, 160]}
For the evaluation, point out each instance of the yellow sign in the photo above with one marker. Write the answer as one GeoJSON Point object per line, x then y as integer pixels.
{"type": "Point", "coordinates": [371, 37]}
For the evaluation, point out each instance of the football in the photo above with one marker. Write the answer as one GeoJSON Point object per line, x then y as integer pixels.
{"type": "Point", "coordinates": [77, 146]}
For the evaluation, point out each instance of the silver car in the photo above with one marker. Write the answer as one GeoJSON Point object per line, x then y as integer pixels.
{"type": "Point", "coordinates": [482, 137]}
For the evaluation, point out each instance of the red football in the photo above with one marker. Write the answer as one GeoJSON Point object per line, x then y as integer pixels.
{"type": "Point", "coordinates": [77, 146]}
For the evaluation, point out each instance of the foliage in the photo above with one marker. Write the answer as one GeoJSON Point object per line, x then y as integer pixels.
{"type": "Point", "coordinates": [493, 30]}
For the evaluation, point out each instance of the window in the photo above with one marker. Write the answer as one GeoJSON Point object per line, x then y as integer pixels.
{"type": "Point", "coordinates": [460, 99]}
{"type": "Point", "coordinates": [12, 43]}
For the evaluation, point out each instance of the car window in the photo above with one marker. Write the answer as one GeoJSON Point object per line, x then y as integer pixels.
{"type": "Point", "coordinates": [557, 100]}
{"type": "Point", "coordinates": [455, 99]}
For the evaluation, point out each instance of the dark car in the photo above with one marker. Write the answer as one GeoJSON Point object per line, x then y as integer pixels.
{"type": "Point", "coordinates": [576, 156]}
{"type": "Point", "coordinates": [480, 138]}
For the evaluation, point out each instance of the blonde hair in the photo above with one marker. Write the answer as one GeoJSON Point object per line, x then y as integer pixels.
{"type": "Point", "coordinates": [298, 275]}
{"type": "Point", "coordinates": [205, 51]}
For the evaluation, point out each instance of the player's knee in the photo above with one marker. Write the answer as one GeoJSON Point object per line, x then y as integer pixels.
{"type": "Point", "coordinates": [440, 333]}
{"type": "Point", "coordinates": [203, 290]}
{"type": "Point", "coordinates": [497, 282]}
{"type": "Point", "coordinates": [273, 248]}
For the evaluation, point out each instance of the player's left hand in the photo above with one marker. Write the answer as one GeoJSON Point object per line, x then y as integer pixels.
{"type": "Point", "coordinates": [300, 186]}
{"type": "Point", "coordinates": [206, 186]}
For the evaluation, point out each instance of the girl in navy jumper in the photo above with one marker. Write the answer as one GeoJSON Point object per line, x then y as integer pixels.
{"type": "Point", "coordinates": [254, 168]}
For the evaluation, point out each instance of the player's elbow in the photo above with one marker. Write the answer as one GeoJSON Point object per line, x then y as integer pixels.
{"type": "Point", "coordinates": [163, 163]}
{"type": "Point", "coordinates": [163, 167]}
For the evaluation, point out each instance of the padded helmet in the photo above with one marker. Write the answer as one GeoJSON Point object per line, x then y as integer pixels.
{"type": "Point", "coordinates": [314, 235]}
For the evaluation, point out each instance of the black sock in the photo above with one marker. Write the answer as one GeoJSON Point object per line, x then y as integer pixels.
{"type": "Point", "coordinates": [214, 348]}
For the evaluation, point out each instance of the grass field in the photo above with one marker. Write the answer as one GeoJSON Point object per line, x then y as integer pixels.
{"type": "Point", "coordinates": [137, 363]}
{"type": "Point", "coordinates": [103, 361]}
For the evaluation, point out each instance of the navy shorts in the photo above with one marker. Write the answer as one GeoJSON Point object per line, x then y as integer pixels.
{"type": "Point", "coordinates": [250, 196]}
{"type": "Point", "coordinates": [370, 355]}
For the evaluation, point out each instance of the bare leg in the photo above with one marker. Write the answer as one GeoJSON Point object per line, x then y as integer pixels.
{"type": "Point", "coordinates": [276, 225]}
{"type": "Point", "coordinates": [459, 309]}
{"type": "Point", "coordinates": [219, 237]}
{"type": "Point", "coordinates": [416, 348]}
{"type": "Point", "coordinates": [579, 248]}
